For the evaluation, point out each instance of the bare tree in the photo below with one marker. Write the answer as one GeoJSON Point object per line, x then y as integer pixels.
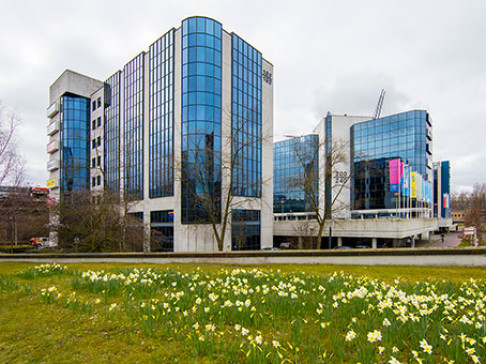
{"type": "Point", "coordinates": [11, 171]}
{"type": "Point", "coordinates": [91, 221]}
{"type": "Point", "coordinates": [335, 182]}
{"type": "Point", "coordinates": [11, 164]}
{"type": "Point", "coordinates": [22, 215]}
{"type": "Point", "coordinates": [98, 220]}
{"type": "Point", "coordinates": [460, 201]}
{"type": "Point", "coordinates": [476, 213]}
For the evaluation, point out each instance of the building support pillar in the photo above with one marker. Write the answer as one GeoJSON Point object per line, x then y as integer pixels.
{"type": "Point", "coordinates": [299, 243]}
{"type": "Point", "coordinates": [146, 238]}
{"type": "Point", "coordinates": [339, 241]}
{"type": "Point", "coordinates": [374, 243]}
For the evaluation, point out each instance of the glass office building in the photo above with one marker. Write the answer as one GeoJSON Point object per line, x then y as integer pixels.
{"type": "Point", "coordinates": [295, 174]}
{"type": "Point", "coordinates": [407, 136]}
{"type": "Point", "coordinates": [181, 130]}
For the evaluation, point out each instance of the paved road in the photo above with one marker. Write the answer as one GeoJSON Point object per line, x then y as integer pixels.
{"type": "Point", "coordinates": [450, 240]}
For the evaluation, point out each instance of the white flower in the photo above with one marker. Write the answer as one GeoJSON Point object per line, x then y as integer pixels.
{"type": "Point", "coordinates": [374, 336]}
{"type": "Point", "coordinates": [393, 361]}
{"type": "Point", "coordinates": [350, 335]}
{"type": "Point", "coordinates": [386, 322]}
{"type": "Point", "coordinates": [470, 351]}
{"type": "Point", "coordinates": [213, 297]}
{"type": "Point", "coordinates": [259, 339]}
{"type": "Point", "coordinates": [426, 347]}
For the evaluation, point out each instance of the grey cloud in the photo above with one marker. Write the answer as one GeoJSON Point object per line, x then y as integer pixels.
{"type": "Point", "coordinates": [358, 94]}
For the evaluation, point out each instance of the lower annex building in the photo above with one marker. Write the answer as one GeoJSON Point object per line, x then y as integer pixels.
{"type": "Point", "coordinates": [373, 179]}
{"type": "Point", "coordinates": [184, 131]}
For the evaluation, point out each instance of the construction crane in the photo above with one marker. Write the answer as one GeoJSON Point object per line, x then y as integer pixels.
{"type": "Point", "coordinates": [380, 104]}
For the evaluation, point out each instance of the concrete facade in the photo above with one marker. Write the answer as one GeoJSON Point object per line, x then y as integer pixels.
{"type": "Point", "coordinates": [341, 171]}
{"type": "Point", "coordinates": [69, 82]}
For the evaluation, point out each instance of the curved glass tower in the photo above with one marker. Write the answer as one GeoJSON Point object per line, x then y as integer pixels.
{"type": "Point", "coordinates": [201, 120]}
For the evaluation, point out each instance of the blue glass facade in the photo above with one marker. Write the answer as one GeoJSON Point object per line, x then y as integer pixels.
{"type": "Point", "coordinates": [246, 118]}
{"type": "Point", "coordinates": [407, 136]}
{"type": "Point", "coordinates": [445, 188]}
{"type": "Point", "coordinates": [74, 164]}
{"type": "Point", "coordinates": [201, 120]}
{"type": "Point", "coordinates": [161, 121]}
{"type": "Point", "coordinates": [112, 132]}
{"type": "Point", "coordinates": [245, 230]}
{"type": "Point", "coordinates": [371, 185]}
{"type": "Point", "coordinates": [133, 73]}
{"type": "Point", "coordinates": [296, 174]}
{"type": "Point", "coordinates": [442, 189]}
{"type": "Point", "coordinates": [162, 229]}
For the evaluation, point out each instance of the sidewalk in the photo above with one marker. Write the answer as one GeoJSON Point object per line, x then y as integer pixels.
{"type": "Point", "coordinates": [450, 240]}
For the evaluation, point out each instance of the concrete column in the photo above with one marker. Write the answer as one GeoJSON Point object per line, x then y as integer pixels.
{"type": "Point", "coordinates": [340, 241]}
{"type": "Point", "coordinates": [374, 243]}
{"type": "Point", "coordinates": [146, 235]}
{"type": "Point", "coordinates": [300, 243]}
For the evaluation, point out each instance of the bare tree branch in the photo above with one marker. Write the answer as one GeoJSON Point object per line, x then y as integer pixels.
{"type": "Point", "coordinates": [11, 163]}
{"type": "Point", "coordinates": [308, 183]}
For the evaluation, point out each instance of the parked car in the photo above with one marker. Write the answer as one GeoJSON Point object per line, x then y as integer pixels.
{"type": "Point", "coordinates": [42, 242]}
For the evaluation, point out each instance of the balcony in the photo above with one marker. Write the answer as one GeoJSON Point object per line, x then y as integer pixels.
{"type": "Point", "coordinates": [53, 146]}
{"type": "Point", "coordinates": [53, 165]}
{"type": "Point", "coordinates": [52, 128]}
{"type": "Point", "coordinates": [52, 110]}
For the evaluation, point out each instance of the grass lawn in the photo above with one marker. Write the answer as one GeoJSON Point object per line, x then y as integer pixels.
{"type": "Point", "coordinates": [190, 313]}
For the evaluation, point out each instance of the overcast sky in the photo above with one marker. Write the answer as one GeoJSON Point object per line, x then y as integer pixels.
{"type": "Point", "coordinates": [328, 56]}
